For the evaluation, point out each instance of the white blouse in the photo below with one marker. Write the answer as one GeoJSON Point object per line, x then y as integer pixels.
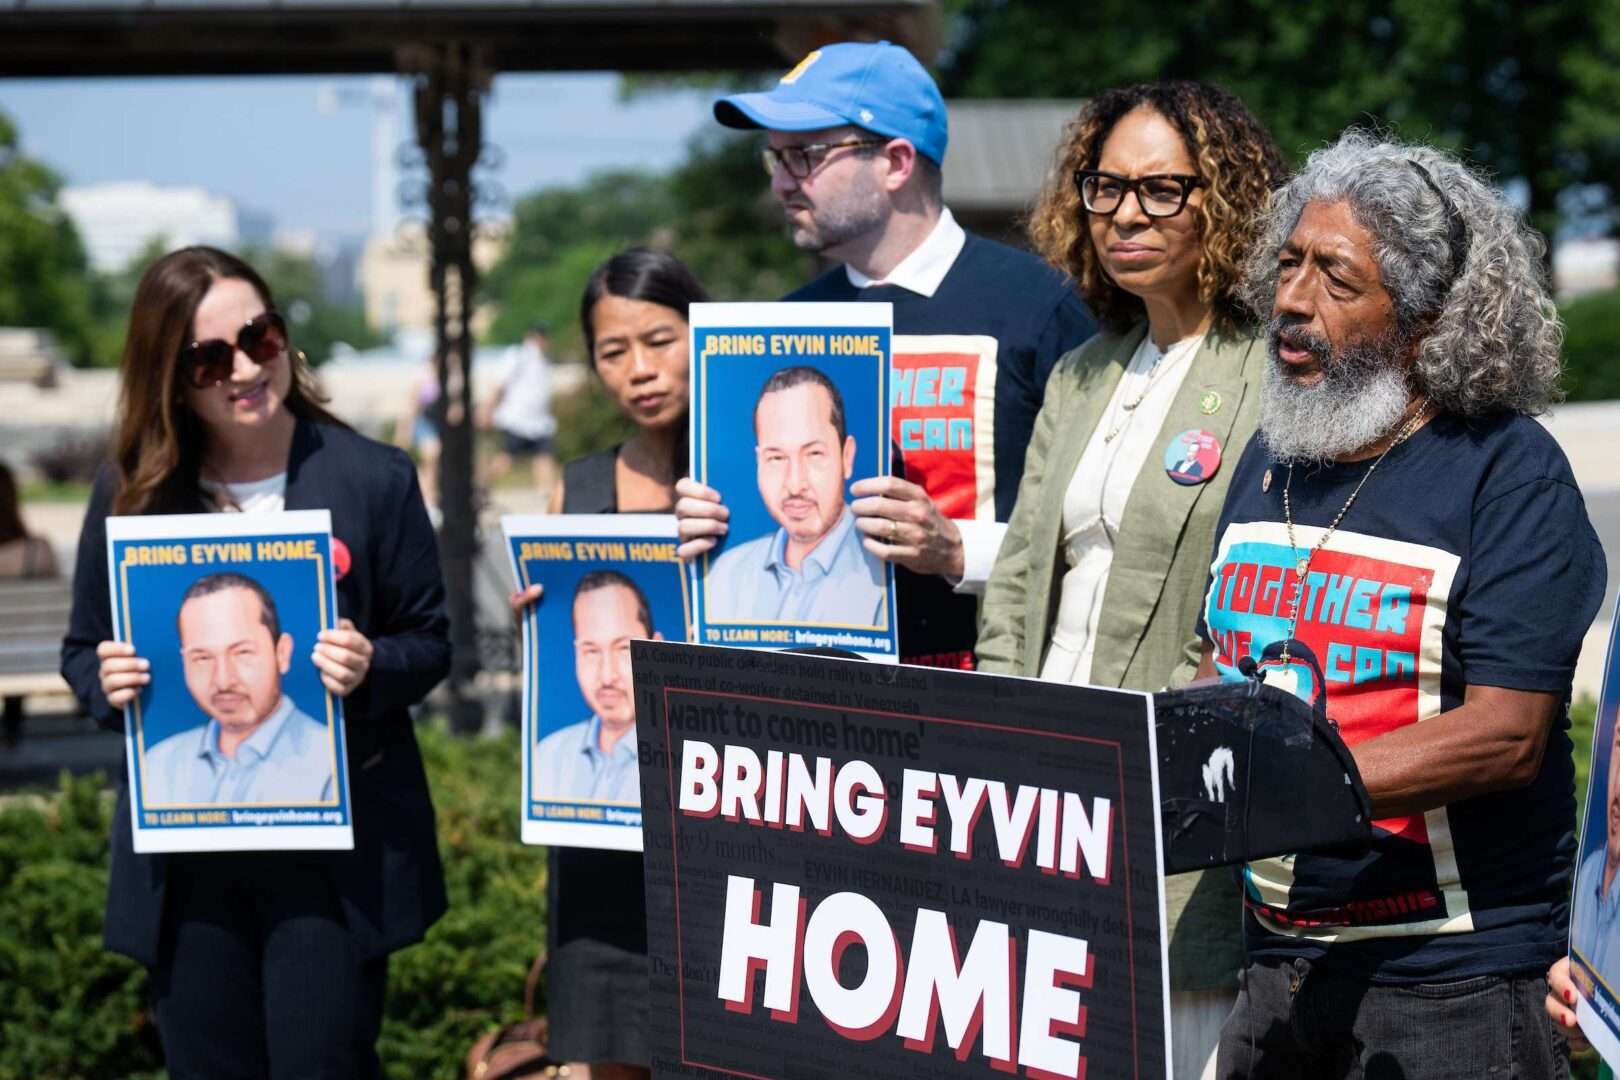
{"type": "Point", "coordinates": [1095, 500]}
{"type": "Point", "coordinates": [267, 496]}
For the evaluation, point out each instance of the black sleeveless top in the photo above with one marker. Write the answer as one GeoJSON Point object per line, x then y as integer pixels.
{"type": "Point", "coordinates": [597, 981]}
{"type": "Point", "coordinates": [589, 484]}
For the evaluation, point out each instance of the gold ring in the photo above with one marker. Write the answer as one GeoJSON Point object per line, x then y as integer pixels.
{"type": "Point", "coordinates": [894, 529]}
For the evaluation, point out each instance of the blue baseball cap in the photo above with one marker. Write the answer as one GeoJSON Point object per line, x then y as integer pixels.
{"type": "Point", "coordinates": [879, 87]}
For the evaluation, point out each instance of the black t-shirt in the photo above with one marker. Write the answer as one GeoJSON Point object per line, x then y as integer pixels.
{"type": "Point", "coordinates": [1467, 559]}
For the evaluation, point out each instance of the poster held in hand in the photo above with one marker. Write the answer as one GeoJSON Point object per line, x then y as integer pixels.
{"type": "Point", "coordinates": [1594, 922]}
{"type": "Point", "coordinates": [857, 869]}
{"type": "Point", "coordinates": [235, 744]}
{"type": "Point", "coordinates": [790, 405]}
{"type": "Point", "coordinates": [607, 579]}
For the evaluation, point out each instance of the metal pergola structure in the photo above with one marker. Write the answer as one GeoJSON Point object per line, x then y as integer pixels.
{"type": "Point", "coordinates": [450, 50]}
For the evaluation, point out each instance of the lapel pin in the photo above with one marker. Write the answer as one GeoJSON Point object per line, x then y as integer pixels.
{"type": "Point", "coordinates": [1192, 457]}
{"type": "Point", "coordinates": [1210, 403]}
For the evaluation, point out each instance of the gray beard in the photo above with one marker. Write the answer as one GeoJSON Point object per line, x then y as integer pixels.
{"type": "Point", "coordinates": [1361, 398]}
{"type": "Point", "coordinates": [858, 212]}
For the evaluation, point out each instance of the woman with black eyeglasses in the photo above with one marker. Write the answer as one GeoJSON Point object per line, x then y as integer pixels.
{"type": "Point", "coordinates": [269, 964]}
{"type": "Point", "coordinates": [1153, 210]}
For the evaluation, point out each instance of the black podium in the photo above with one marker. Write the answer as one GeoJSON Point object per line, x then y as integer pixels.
{"type": "Point", "coordinates": [1247, 771]}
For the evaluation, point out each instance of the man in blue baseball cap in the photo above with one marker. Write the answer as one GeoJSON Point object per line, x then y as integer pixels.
{"type": "Point", "coordinates": [855, 144]}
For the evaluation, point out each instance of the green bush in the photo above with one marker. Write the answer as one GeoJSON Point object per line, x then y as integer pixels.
{"type": "Point", "coordinates": [69, 1009]}
{"type": "Point", "coordinates": [1592, 347]}
{"type": "Point", "coordinates": [468, 975]}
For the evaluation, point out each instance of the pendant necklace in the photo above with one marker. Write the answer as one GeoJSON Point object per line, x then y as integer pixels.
{"type": "Point", "coordinates": [1129, 407]}
{"type": "Point", "coordinates": [1303, 565]}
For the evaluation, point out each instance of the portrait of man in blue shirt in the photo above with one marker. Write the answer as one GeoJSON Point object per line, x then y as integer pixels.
{"type": "Point", "coordinates": [1595, 932]}
{"type": "Point", "coordinates": [257, 746]}
{"type": "Point", "coordinates": [813, 569]}
{"type": "Point", "coordinates": [595, 759]}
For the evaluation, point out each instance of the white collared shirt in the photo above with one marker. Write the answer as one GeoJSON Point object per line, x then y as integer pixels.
{"type": "Point", "coordinates": [922, 270]}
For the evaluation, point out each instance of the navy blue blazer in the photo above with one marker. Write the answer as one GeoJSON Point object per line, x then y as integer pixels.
{"type": "Point", "coordinates": [391, 886]}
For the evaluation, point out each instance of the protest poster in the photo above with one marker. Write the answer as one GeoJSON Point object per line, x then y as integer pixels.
{"type": "Point", "coordinates": [1594, 923]}
{"type": "Point", "coordinates": [790, 406]}
{"type": "Point", "coordinates": [608, 579]}
{"type": "Point", "coordinates": [878, 870]}
{"type": "Point", "coordinates": [942, 402]}
{"type": "Point", "coordinates": [235, 744]}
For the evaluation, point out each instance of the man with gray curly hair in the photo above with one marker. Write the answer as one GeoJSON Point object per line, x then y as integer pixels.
{"type": "Point", "coordinates": [1404, 546]}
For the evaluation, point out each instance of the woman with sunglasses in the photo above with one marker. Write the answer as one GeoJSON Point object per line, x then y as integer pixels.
{"type": "Point", "coordinates": [633, 315]}
{"type": "Point", "coordinates": [269, 964]}
{"type": "Point", "coordinates": [1103, 567]}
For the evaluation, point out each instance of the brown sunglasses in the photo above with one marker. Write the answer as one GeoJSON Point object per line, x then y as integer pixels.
{"type": "Point", "coordinates": [209, 363]}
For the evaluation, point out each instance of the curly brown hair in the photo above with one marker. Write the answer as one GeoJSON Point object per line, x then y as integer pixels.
{"type": "Point", "coordinates": [1236, 157]}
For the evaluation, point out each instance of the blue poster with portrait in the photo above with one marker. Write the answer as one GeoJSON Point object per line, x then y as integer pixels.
{"type": "Point", "coordinates": [606, 580]}
{"type": "Point", "coordinates": [790, 406]}
{"type": "Point", "coordinates": [235, 744]}
{"type": "Point", "coordinates": [1594, 919]}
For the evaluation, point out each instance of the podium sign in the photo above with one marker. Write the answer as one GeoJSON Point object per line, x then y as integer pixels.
{"type": "Point", "coordinates": [862, 869]}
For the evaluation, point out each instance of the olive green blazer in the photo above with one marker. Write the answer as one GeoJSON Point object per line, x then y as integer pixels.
{"type": "Point", "coordinates": [1145, 635]}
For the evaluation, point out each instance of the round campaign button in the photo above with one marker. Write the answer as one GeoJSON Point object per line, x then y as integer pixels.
{"type": "Point", "coordinates": [1192, 457]}
{"type": "Point", "coordinates": [340, 558]}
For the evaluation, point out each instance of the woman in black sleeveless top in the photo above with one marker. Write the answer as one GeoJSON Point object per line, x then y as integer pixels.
{"type": "Point", "coordinates": [634, 317]}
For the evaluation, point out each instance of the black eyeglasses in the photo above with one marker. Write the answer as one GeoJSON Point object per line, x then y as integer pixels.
{"type": "Point", "coordinates": [209, 363]}
{"type": "Point", "coordinates": [801, 161]}
{"type": "Point", "coordinates": [1160, 195]}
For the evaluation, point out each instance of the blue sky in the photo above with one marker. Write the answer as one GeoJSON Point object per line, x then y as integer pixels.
{"type": "Point", "coordinates": [269, 143]}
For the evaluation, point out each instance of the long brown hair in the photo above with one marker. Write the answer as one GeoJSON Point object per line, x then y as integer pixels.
{"type": "Point", "coordinates": [1236, 157]}
{"type": "Point", "coordinates": [159, 441]}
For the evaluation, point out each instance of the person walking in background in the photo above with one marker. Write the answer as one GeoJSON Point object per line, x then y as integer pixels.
{"type": "Point", "coordinates": [633, 316]}
{"type": "Point", "coordinates": [1152, 208]}
{"type": "Point", "coordinates": [269, 963]}
{"type": "Point", "coordinates": [416, 429]}
{"type": "Point", "coordinates": [520, 409]}
{"type": "Point", "coordinates": [855, 144]}
{"type": "Point", "coordinates": [23, 557]}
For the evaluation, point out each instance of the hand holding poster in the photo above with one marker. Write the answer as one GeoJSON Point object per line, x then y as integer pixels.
{"type": "Point", "coordinates": [789, 406]}
{"type": "Point", "coordinates": [864, 869]}
{"type": "Point", "coordinates": [607, 579]}
{"type": "Point", "coordinates": [1594, 924]}
{"type": "Point", "coordinates": [235, 744]}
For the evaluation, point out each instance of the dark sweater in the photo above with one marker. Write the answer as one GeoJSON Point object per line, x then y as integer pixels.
{"type": "Point", "coordinates": [1023, 315]}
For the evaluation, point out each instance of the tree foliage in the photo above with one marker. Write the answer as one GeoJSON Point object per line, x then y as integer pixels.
{"type": "Point", "coordinates": [44, 276]}
{"type": "Point", "coordinates": [714, 210]}
{"type": "Point", "coordinates": [1525, 88]}
{"type": "Point", "coordinates": [112, 297]}
{"type": "Point", "coordinates": [1592, 347]}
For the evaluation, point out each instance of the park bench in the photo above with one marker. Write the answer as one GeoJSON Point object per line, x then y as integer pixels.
{"type": "Point", "coordinates": [33, 619]}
